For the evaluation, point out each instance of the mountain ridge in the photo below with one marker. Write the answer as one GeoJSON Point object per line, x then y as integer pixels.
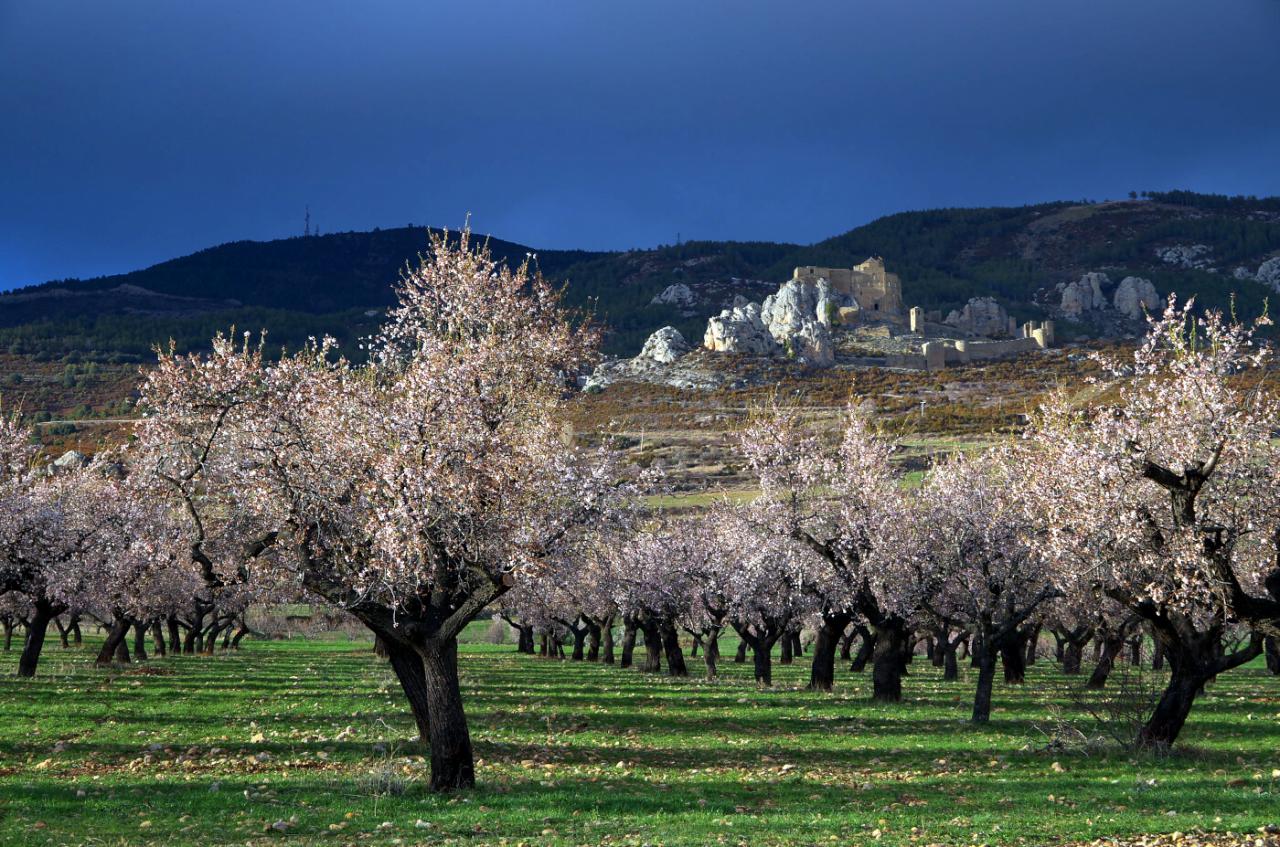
{"type": "Point", "coordinates": [338, 283]}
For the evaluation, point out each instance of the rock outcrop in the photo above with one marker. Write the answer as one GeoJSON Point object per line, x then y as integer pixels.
{"type": "Point", "coordinates": [796, 303]}
{"type": "Point", "coordinates": [69, 461]}
{"type": "Point", "coordinates": [980, 316]}
{"type": "Point", "coordinates": [675, 295]}
{"type": "Point", "coordinates": [739, 329]}
{"type": "Point", "coordinates": [1269, 273]}
{"type": "Point", "coordinates": [665, 346]}
{"type": "Point", "coordinates": [1185, 255]}
{"type": "Point", "coordinates": [795, 321]}
{"type": "Point", "coordinates": [812, 345]}
{"type": "Point", "coordinates": [1084, 295]}
{"type": "Point", "coordinates": [1134, 296]}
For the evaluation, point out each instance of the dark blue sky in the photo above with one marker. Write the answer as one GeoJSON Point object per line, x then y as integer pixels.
{"type": "Point", "coordinates": [131, 132]}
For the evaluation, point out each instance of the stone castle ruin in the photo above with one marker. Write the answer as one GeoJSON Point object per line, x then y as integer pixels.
{"type": "Point", "coordinates": [798, 322]}
{"type": "Point", "coordinates": [872, 291]}
{"type": "Point", "coordinates": [859, 312]}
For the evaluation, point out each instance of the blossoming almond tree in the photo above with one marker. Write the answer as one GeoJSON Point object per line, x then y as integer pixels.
{"type": "Point", "coordinates": [841, 504]}
{"type": "Point", "coordinates": [975, 564]}
{"type": "Point", "coordinates": [420, 487]}
{"type": "Point", "coordinates": [188, 453]}
{"type": "Point", "coordinates": [1167, 501]}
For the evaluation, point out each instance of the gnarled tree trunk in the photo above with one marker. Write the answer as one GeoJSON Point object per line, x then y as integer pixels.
{"type": "Point", "coordinates": [822, 671]}
{"type": "Point", "coordinates": [37, 625]}
{"type": "Point", "coordinates": [628, 642]}
{"type": "Point", "coordinates": [671, 648]}
{"type": "Point", "coordinates": [889, 660]}
{"type": "Point", "coordinates": [114, 642]}
{"type": "Point", "coordinates": [452, 763]}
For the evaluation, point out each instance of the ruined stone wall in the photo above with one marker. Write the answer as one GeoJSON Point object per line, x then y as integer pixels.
{"type": "Point", "coordinates": [877, 291]}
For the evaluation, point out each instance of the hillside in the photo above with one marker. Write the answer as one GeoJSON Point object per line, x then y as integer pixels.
{"type": "Point", "coordinates": [340, 283]}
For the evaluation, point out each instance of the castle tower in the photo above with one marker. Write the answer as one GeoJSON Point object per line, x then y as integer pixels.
{"type": "Point", "coordinates": [917, 319]}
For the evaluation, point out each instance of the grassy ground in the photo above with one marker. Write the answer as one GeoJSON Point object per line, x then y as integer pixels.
{"type": "Point", "coordinates": [213, 751]}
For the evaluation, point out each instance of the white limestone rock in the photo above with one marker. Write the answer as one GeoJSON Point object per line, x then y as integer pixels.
{"type": "Point", "coordinates": [980, 316]}
{"type": "Point", "coordinates": [676, 295]}
{"type": "Point", "coordinates": [812, 345]}
{"type": "Point", "coordinates": [1135, 296]}
{"type": "Point", "coordinates": [665, 346]}
{"type": "Point", "coordinates": [69, 461]}
{"type": "Point", "coordinates": [1084, 295]}
{"type": "Point", "coordinates": [739, 329]}
{"type": "Point", "coordinates": [1185, 255]}
{"type": "Point", "coordinates": [796, 302]}
{"type": "Point", "coordinates": [1269, 273]}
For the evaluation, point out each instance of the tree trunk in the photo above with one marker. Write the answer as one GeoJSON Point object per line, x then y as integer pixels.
{"type": "Point", "coordinates": [8, 633]}
{"type": "Point", "coordinates": [1013, 657]}
{"type": "Point", "coordinates": [1111, 646]}
{"type": "Point", "coordinates": [711, 654]}
{"type": "Point", "coordinates": [1166, 722]}
{"type": "Point", "coordinates": [593, 642]}
{"type": "Point", "coordinates": [1059, 645]}
{"type": "Point", "coordinates": [846, 646]}
{"type": "Point", "coordinates": [64, 633]}
{"type": "Point", "coordinates": [982, 697]}
{"type": "Point", "coordinates": [628, 643]}
{"type": "Point", "coordinates": [115, 640]}
{"type": "Point", "coordinates": [740, 656]}
{"type": "Point", "coordinates": [1072, 657]}
{"type": "Point", "coordinates": [452, 765]}
{"type": "Point", "coordinates": [671, 647]}
{"type": "Point", "coordinates": [761, 653]}
{"type": "Point", "coordinates": [606, 637]}
{"type": "Point", "coordinates": [797, 645]}
{"type": "Point", "coordinates": [1193, 662]}
{"type": "Point", "coordinates": [822, 671]}
{"type": "Point", "coordinates": [175, 637]}
{"type": "Point", "coordinates": [77, 637]}
{"type": "Point", "coordinates": [211, 638]}
{"type": "Point", "coordinates": [140, 641]}
{"type": "Point", "coordinates": [950, 668]}
{"type": "Point", "coordinates": [37, 626]}
{"type": "Point", "coordinates": [579, 643]}
{"type": "Point", "coordinates": [652, 646]}
{"type": "Point", "coordinates": [157, 638]}
{"type": "Point", "coordinates": [865, 649]}
{"type": "Point", "coordinates": [889, 661]}
{"type": "Point", "coordinates": [1033, 645]}
{"type": "Point", "coordinates": [1273, 653]}
{"type": "Point", "coordinates": [1135, 651]}
{"type": "Point", "coordinates": [408, 667]}
{"type": "Point", "coordinates": [1157, 656]}
{"type": "Point", "coordinates": [524, 640]}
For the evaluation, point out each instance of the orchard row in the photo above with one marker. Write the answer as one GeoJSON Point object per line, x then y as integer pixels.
{"type": "Point", "coordinates": [430, 482]}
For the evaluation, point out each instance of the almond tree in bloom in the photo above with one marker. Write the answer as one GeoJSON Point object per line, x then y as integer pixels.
{"type": "Point", "coordinates": [73, 539]}
{"type": "Point", "coordinates": [417, 489]}
{"type": "Point", "coordinates": [653, 587]}
{"type": "Point", "coordinates": [1166, 501]}
{"type": "Point", "coordinates": [975, 564]}
{"type": "Point", "coordinates": [764, 583]}
{"type": "Point", "coordinates": [188, 453]}
{"type": "Point", "coordinates": [841, 504]}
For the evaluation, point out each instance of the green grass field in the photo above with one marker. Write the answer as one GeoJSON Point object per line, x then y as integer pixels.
{"type": "Point", "coordinates": [213, 751]}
